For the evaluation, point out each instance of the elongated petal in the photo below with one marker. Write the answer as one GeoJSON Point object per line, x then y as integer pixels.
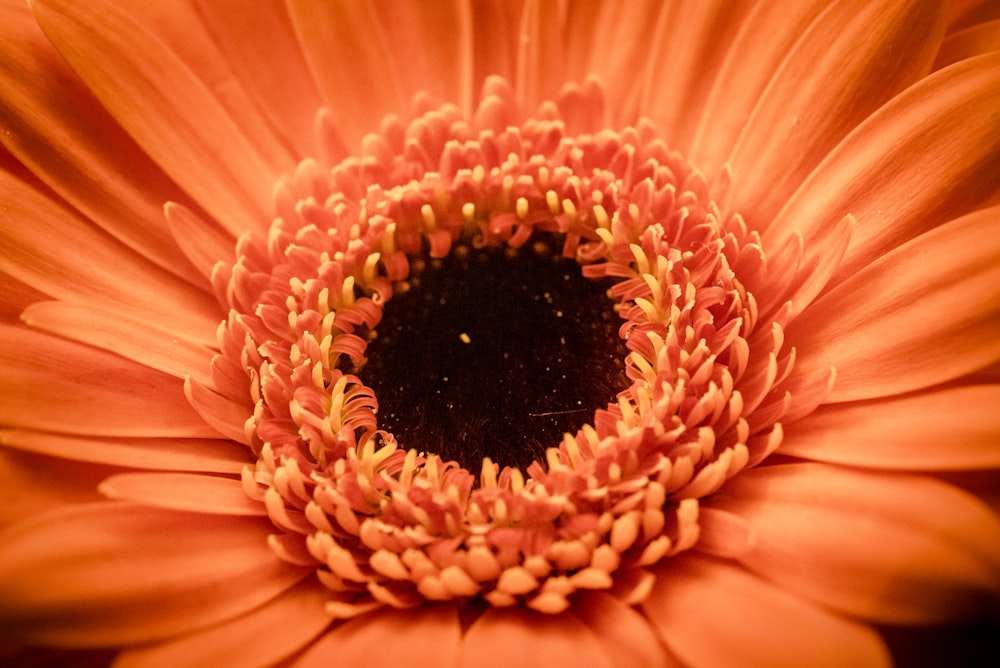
{"type": "Point", "coordinates": [880, 176]}
{"type": "Point", "coordinates": [202, 241]}
{"type": "Point", "coordinates": [183, 32]}
{"type": "Point", "coordinates": [923, 314]}
{"type": "Point", "coordinates": [31, 484]}
{"type": "Point", "coordinates": [165, 454]}
{"type": "Point", "coordinates": [626, 637]}
{"type": "Point", "coordinates": [52, 124]}
{"type": "Point", "coordinates": [45, 245]}
{"type": "Point", "coordinates": [298, 615]}
{"type": "Point", "coordinates": [369, 61]}
{"type": "Point", "coordinates": [906, 433]}
{"type": "Point", "coordinates": [117, 330]}
{"type": "Point", "coordinates": [852, 59]}
{"type": "Point", "coordinates": [166, 108]}
{"type": "Point", "coordinates": [630, 26]}
{"type": "Point", "coordinates": [189, 492]}
{"type": "Point", "coordinates": [764, 39]}
{"type": "Point", "coordinates": [424, 637]}
{"type": "Point", "coordinates": [560, 641]}
{"type": "Point", "coordinates": [973, 41]}
{"type": "Point", "coordinates": [899, 548]}
{"type": "Point", "coordinates": [714, 613]}
{"type": "Point", "coordinates": [277, 76]}
{"type": "Point", "coordinates": [227, 417]}
{"type": "Point", "coordinates": [683, 59]}
{"type": "Point", "coordinates": [118, 573]}
{"type": "Point", "coordinates": [52, 384]}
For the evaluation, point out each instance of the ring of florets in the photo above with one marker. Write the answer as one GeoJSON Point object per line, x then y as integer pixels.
{"type": "Point", "coordinates": [385, 523]}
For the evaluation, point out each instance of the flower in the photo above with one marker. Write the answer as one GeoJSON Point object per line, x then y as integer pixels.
{"type": "Point", "coordinates": [210, 215]}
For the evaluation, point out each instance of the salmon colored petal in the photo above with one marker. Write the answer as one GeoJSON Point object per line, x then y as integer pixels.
{"type": "Point", "coordinates": [495, 27]}
{"type": "Point", "coordinates": [118, 573]}
{"type": "Point", "coordinates": [723, 534]}
{"type": "Point", "coordinates": [764, 39]}
{"type": "Point", "coordinates": [347, 49]}
{"type": "Point", "coordinates": [15, 297]}
{"type": "Point", "coordinates": [907, 433]}
{"type": "Point", "coordinates": [51, 123]}
{"type": "Point", "coordinates": [423, 637]}
{"type": "Point", "coordinates": [965, 13]}
{"type": "Point", "coordinates": [288, 622]}
{"type": "Point", "coordinates": [31, 484]}
{"type": "Point", "coordinates": [36, 235]}
{"type": "Point", "coordinates": [852, 59]}
{"type": "Point", "coordinates": [968, 43]}
{"type": "Point", "coordinates": [714, 613]}
{"type": "Point", "coordinates": [227, 417]}
{"type": "Point", "coordinates": [626, 636]}
{"type": "Point", "coordinates": [883, 328]}
{"type": "Point", "coordinates": [541, 54]}
{"type": "Point", "coordinates": [277, 76]}
{"type": "Point", "coordinates": [899, 549]}
{"type": "Point", "coordinates": [630, 27]}
{"type": "Point", "coordinates": [682, 62]}
{"type": "Point", "coordinates": [504, 637]}
{"type": "Point", "coordinates": [189, 492]}
{"type": "Point", "coordinates": [51, 384]}
{"type": "Point", "coordinates": [202, 241]}
{"type": "Point", "coordinates": [440, 33]}
{"type": "Point", "coordinates": [165, 454]}
{"type": "Point", "coordinates": [118, 331]}
{"type": "Point", "coordinates": [166, 108]}
{"type": "Point", "coordinates": [879, 174]}
{"type": "Point", "coordinates": [181, 29]}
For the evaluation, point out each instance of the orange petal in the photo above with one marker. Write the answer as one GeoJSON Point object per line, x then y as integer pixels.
{"type": "Point", "coordinates": [166, 108]}
{"type": "Point", "coordinates": [682, 60]}
{"type": "Point", "coordinates": [753, 55]}
{"type": "Point", "coordinates": [423, 637]}
{"type": "Point", "coordinates": [117, 330]}
{"type": "Point", "coordinates": [183, 32]}
{"type": "Point", "coordinates": [923, 314]}
{"type": "Point", "coordinates": [951, 429]}
{"type": "Point", "coordinates": [540, 54]}
{"type": "Point", "coordinates": [940, 138]}
{"type": "Point", "coordinates": [712, 613]}
{"type": "Point", "coordinates": [288, 622]}
{"type": "Point", "coordinates": [852, 59]}
{"type": "Point", "coordinates": [164, 454]}
{"type": "Point", "coordinates": [441, 34]}
{"type": "Point", "coordinates": [899, 549]}
{"type": "Point", "coordinates": [50, 248]}
{"type": "Point", "coordinates": [118, 573]}
{"type": "Point", "coordinates": [52, 124]}
{"type": "Point", "coordinates": [630, 27]}
{"type": "Point", "coordinates": [349, 50]}
{"type": "Point", "coordinates": [32, 484]}
{"type": "Point", "coordinates": [51, 384]}
{"type": "Point", "coordinates": [968, 43]}
{"type": "Point", "coordinates": [626, 636]}
{"type": "Point", "coordinates": [203, 242]}
{"type": "Point", "coordinates": [224, 415]}
{"type": "Point", "coordinates": [495, 29]}
{"type": "Point", "coordinates": [277, 76]}
{"type": "Point", "coordinates": [504, 637]}
{"type": "Point", "coordinates": [183, 491]}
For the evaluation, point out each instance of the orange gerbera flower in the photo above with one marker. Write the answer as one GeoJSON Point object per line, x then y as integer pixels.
{"type": "Point", "coordinates": [496, 333]}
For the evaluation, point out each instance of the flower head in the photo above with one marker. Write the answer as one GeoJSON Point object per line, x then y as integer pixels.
{"type": "Point", "coordinates": [497, 348]}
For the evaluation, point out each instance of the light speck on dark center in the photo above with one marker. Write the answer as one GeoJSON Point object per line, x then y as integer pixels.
{"type": "Point", "coordinates": [494, 353]}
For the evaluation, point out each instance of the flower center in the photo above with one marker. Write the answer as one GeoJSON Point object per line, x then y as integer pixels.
{"type": "Point", "coordinates": [389, 278]}
{"type": "Point", "coordinates": [493, 353]}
